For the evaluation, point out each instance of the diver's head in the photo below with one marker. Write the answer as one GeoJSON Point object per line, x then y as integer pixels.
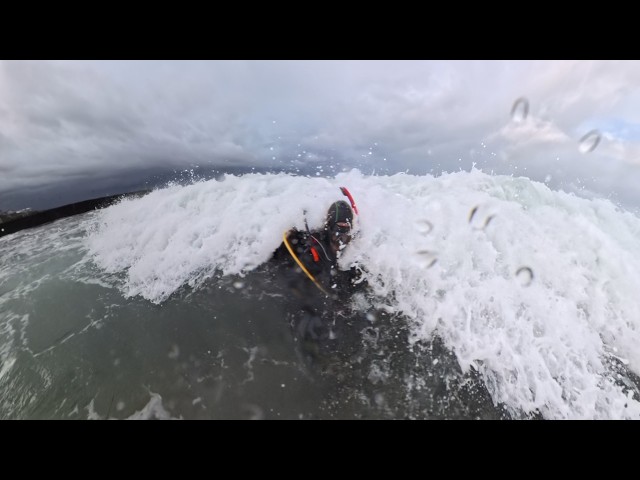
{"type": "Point", "coordinates": [338, 225]}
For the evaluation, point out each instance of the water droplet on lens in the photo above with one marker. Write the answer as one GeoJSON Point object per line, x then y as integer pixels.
{"type": "Point", "coordinates": [424, 226]}
{"type": "Point", "coordinates": [426, 258]}
{"type": "Point", "coordinates": [589, 141]}
{"type": "Point", "coordinates": [524, 276]}
{"type": "Point", "coordinates": [520, 110]}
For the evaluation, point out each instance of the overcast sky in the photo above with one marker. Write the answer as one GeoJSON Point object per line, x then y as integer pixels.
{"type": "Point", "coordinates": [72, 129]}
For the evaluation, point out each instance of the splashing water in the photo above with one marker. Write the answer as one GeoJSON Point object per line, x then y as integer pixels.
{"type": "Point", "coordinates": [563, 347]}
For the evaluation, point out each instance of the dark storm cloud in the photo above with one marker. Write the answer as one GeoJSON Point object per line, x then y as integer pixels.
{"type": "Point", "coordinates": [101, 119]}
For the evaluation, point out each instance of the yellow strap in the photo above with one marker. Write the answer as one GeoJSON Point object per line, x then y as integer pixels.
{"type": "Point", "coordinates": [286, 244]}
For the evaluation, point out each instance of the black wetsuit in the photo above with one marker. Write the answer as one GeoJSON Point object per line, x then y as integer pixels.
{"type": "Point", "coordinates": [314, 252]}
{"type": "Point", "coordinates": [320, 322]}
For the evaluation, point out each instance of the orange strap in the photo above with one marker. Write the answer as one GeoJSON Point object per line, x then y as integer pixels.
{"type": "Point", "coordinates": [286, 243]}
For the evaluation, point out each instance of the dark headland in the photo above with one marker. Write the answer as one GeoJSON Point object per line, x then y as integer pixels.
{"type": "Point", "coordinates": [12, 222]}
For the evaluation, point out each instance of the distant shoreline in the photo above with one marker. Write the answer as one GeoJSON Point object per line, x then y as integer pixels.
{"type": "Point", "coordinates": [37, 218]}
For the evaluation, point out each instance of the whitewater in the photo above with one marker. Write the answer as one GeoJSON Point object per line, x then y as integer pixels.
{"type": "Point", "coordinates": [532, 292]}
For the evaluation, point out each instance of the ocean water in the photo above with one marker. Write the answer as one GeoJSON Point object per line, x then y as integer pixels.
{"type": "Point", "coordinates": [486, 296]}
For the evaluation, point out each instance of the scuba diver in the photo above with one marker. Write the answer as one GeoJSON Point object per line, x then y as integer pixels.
{"type": "Point", "coordinates": [309, 261]}
{"type": "Point", "coordinates": [316, 253]}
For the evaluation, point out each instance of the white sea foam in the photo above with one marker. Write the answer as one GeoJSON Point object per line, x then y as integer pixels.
{"type": "Point", "coordinates": [183, 235]}
{"type": "Point", "coordinates": [153, 410]}
{"type": "Point", "coordinates": [539, 344]}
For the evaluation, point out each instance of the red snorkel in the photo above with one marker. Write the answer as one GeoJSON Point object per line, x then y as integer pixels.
{"type": "Point", "coordinates": [346, 193]}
